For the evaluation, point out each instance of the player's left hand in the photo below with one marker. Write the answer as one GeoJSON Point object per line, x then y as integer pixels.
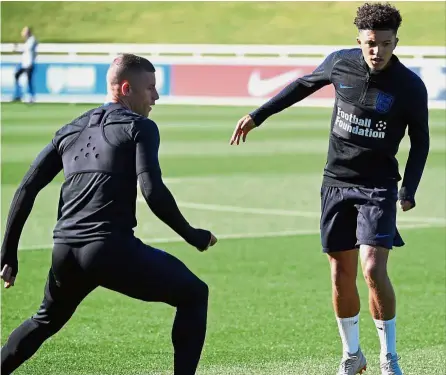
{"type": "Point", "coordinates": [406, 205]}
{"type": "Point", "coordinates": [244, 126]}
{"type": "Point", "coordinates": [6, 275]}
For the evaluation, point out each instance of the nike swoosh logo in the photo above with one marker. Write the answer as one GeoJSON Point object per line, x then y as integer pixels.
{"type": "Point", "coordinates": [345, 87]}
{"type": "Point", "coordinates": [258, 86]}
{"type": "Point", "coordinates": [382, 235]}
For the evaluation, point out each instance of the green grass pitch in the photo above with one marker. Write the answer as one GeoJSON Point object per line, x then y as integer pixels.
{"type": "Point", "coordinates": [219, 22]}
{"type": "Point", "coordinates": [270, 301]}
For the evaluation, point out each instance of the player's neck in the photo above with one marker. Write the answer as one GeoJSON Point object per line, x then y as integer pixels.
{"type": "Point", "coordinates": [116, 99]}
{"type": "Point", "coordinates": [385, 69]}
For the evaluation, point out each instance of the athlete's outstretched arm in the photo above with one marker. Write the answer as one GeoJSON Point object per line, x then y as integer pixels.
{"type": "Point", "coordinates": [41, 172]}
{"type": "Point", "coordinates": [296, 91]}
{"type": "Point", "coordinates": [418, 131]}
{"type": "Point", "coordinates": [155, 192]}
{"type": "Point", "coordinates": [291, 94]}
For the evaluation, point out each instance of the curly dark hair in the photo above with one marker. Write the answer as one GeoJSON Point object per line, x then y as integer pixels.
{"type": "Point", "coordinates": [378, 16]}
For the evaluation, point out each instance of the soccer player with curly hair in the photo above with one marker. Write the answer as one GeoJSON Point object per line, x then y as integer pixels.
{"type": "Point", "coordinates": [377, 98]}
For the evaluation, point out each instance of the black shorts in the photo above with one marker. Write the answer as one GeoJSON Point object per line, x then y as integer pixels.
{"type": "Point", "coordinates": [354, 216]}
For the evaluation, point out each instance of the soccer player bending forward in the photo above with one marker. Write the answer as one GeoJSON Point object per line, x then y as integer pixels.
{"type": "Point", "coordinates": [377, 97]}
{"type": "Point", "coordinates": [103, 153]}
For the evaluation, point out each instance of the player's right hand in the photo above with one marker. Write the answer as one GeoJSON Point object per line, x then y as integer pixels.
{"type": "Point", "coordinates": [244, 126]}
{"type": "Point", "coordinates": [212, 242]}
{"type": "Point", "coordinates": [406, 205]}
{"type": "Point", "coordinates": [203, 239]}
{"type": "Point", "coordinates": [6, 275]}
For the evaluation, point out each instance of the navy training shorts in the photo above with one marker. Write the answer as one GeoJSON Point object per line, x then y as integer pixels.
{"type": "Point", "coordinates": [354, 216]}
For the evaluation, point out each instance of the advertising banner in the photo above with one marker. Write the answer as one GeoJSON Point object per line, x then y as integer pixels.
{"type": "Point", "coordinates": [69, 81]}
{"type": "Point", "coordinates": [238, 81]}
{"type": "Point", "coordinates": [257, 81]}
{"type": "Point", "coordinates": [195, 81]}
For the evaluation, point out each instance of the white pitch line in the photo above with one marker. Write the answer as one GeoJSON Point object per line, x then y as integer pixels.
{"type": "Point", "coordinates": [172, 180]}
{"type": "Point", "coordinates": [219, 236]}
{"type": "Point", "coordinates": [234, 236]}
{"type": "Point", "coordinates": [247, 210]}
{"type": "Point", "coordinates": [267, 211]}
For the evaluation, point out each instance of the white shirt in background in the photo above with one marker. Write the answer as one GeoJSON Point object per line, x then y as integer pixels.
{"type": "Point", "coordinates": [29, 52]}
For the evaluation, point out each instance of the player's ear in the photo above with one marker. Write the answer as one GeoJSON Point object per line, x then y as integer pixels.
{"type": "Point", "coordinates": [125, 88]}
{"type": "Point", "coordinates": [358, 40]}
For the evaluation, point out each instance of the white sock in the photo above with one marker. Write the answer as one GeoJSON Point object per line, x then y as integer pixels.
{"type": "Point", "coordinates": [387, 336]}
{"type": "Point", "coordinates": [349, 331]}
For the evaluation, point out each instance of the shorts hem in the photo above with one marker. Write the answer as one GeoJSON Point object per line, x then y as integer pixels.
{"type": "Point", "coordinates": [327, 250]}
{"type": "Point", "coordinates": [379, 244]}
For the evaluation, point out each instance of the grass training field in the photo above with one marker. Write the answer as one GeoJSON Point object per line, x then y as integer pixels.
{"type": "Point", "coordinates": [270, 301]}
{"type": "Point", "coordinates": [212, 22]}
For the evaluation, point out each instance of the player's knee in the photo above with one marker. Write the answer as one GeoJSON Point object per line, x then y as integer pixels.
{"type": "Point", "coordinates": [197, 292]}
{"type": "Point", "coordinates": [49, 326]}
{"type": "Point", "coordinates": [343, 272]}
{"type": "Point", "coordinates": [51, 321]}
{"type": "Point", "coordinates": [374, 272]}
{"type": "Point", "coordinates": [374, 264]}
{"type": "Point", "coordinates": [202, 291]}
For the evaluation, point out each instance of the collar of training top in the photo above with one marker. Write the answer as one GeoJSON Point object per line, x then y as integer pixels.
{"type": "Point", "coordinates": [100, 114]}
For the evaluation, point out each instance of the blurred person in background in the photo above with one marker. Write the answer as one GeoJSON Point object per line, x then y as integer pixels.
{"type": "Point", "coordinates": [27, 64]}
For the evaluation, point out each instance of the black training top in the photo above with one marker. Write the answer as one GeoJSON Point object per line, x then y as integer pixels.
{"type": "Point", "coordinates": [370, 116]}
{"type": "Point", "coordinates": [103, 153]}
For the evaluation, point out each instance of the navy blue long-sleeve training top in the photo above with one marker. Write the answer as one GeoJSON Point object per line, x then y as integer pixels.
{"type": "Point", "coordinates": [370, 117]}
{"type": "Point", "coordinates": [103, 154]}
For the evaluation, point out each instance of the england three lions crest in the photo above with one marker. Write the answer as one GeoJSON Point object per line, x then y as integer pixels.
{"type": "Point", "coordinates": [384, 102]}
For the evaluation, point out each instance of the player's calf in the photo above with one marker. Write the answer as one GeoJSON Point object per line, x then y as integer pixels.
{"type": "Point", "coordinates": [189, 328]}
{"type": "Point", "coordinates": [381, 294]}
{"type": "Point", "coordinates": [382, 303]}
{"type": "Point", "coordinates": [343, 265]}
{"type": "Point", "coordinates": [25, 340]}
